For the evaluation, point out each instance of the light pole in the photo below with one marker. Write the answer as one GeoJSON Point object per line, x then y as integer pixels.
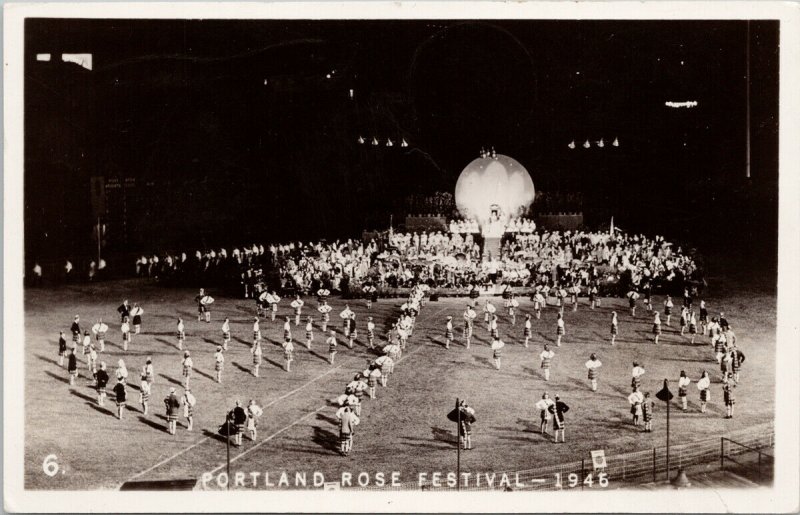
{"type": "Point", "coordinates": [665, 395]}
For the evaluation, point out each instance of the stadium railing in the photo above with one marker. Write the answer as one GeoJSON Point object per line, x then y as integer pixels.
{"type": "Point", "coordinates": [630, 468]}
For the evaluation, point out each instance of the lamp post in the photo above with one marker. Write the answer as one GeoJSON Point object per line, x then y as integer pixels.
{"type": "Point", "coordinates": [665, 395]}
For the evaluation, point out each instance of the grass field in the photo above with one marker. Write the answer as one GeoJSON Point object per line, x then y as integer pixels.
{"type": "Point", "coordinates": [405, 428]}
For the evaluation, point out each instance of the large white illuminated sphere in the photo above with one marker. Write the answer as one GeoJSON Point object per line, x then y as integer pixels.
{"type": "Point", "coordinates": [489, 181]}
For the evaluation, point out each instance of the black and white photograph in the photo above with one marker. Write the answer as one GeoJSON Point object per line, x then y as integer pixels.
{"type": "Point", "coordinates": [401, 250]}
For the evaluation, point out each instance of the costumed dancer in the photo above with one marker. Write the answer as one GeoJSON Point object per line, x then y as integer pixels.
{"type": "Point", "coordinates": [126, 333]}
{"type": "Point", "coordinates": [546, 358]}
{"type": "Point", "coordinates": [448, 332]}
{"type": "Point", "coordinates": [258, 353]}
{"type": "Point", "coordinates": [683, 322]}
{"type": "Point", "coordinates": [373, 377]}
{"type": "Point", "coordinates": [226, 333]}
{"type": "Point", "coordinates": [736, 358]}
{"type": "Point", "coordinates": [593, 296]}
{"type": "Point", "coordinates": [148, 372]}
{"type": "Point", "coordinates": [703, 317]}
{"type": "Point", "coordinates": [347, 424]}
{"type": "Point", "coordinates": [574, 291]}
{"type": "Point", "coordinates": [100, 329]}
{"type": "Point", "coordinates": [189, 401]}
{"type": "Point", "coordinates": [614, 327]}
{"type": "Point", "coordinates": [121, 395]}
{"type": "Point", "coordinates": [257, 331]}
{"type": "Point", "coordinates": [273, 300]}
{"type": "Point", "coordinates": [309, 332]}
{"type": "Point", "coordinates": [493, 332]}
{"type": "Point", "coordinates": [219, 363]}
{"type": "Point", "coordinates": [512, 309]}
{"type": "Point", "coordinates": [122, 371]}
{"type": "Point", "coordinates": [648, 301]}
{"type": "Point", "coordinates": [704, 384]}
{"type": "Point", "coordinates": [538, 303]}
{"type": "Point", "coordinates": [497, 350]}
{"type": "Point", "coordinates": [636, 398]}
{"type": "Point", "coordinates": [593, 365]}
{"type": "Point", "coordinates": [86, 345]}
{"type": "Point", "coordinates": [668, 309]}
{"type": "Point", "coordinates": [636, 375]}
{"type": "Point", "coordinates": [647, 412]}
{"type": "Point", "coordinates": [526, 332]}
{"type": "Point", "coordinates": [331, 341]}
{"type": "Point", "coordinates": [719, 343]}
{"type": "Point", "coordinates": [325, 311]}
{"type": "Point", "coordinates": [288, 354]}
{"type": "Point", "coordinates": [488, 312]}
{"type": "Point", "coordinates": [560, 329]}
{"type": "Point", "coordinates": [557, 410]}
{"type": "Point", "coordinates": [386, 365]}
{"type": "Point", "coordinates": [137, 313]}
{"type": "Point", "coordinates": [101, 381]}
{"type": "Point", "coordinates": [254, 411]}
{"type": "Point", "coordinates": [345, 316]}
{"type": "Point", "coordinates": [187, 365]}
{"type": "Point", "coordinates": [370, 333]}
{"type": "Point", "coordinates": [683, 385]}
{"type": "Point", "coordinates": [72, 366]}
{"type": "Point", "coordinates": [62, 348]}
{"type": "Point", "coordinates": [76, 329]}
{"type": "Point", "coordinates": [287, 329]}
{"type": "Point", "coordinates": [728, 388]}
{"type": "Point", "coordinates": [171, 405]}
{"type": "Point", "coordinates": [543, 405]}
{"type": "Point", "coordinates": [352, 334]}
{"type": "Point", "coordinates": [124, 311]}
{"type": "Point", "coordinates": [692, 326]}
{"type": "Point", "coordinates": [297, 305]}
{"type": "Point", "coordinates": [632, 296]}
{"type": "Point", "coordinates": [561, 294]}
{"type": "Point", "coordinates": [144, 394]}
{"type": "Point", "coordinates": [181, 333]}
{"type": "Point", "coordinates": [469, 319]}
{"type": "Point", "coordinates": [656, 327]}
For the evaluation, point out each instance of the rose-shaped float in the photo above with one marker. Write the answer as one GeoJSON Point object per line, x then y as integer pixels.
{"type": "Point", "coordinates": [489, 181]}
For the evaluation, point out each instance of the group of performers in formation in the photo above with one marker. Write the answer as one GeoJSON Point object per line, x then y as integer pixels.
{"type": "Point", "coordinates": [722, 341]}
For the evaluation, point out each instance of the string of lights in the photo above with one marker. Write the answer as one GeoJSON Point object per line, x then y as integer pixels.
{"type": "Point", "coordinates": [588, 144]}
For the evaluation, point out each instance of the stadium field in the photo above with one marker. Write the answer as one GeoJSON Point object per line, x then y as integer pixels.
{"type": "Point", "coordinates": [405, 429]}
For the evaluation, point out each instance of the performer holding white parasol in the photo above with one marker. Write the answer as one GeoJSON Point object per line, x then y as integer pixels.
{"type": "Point", "coordinates": [593, 365]}
{"type": "Point", "coordinates": [325, 311]}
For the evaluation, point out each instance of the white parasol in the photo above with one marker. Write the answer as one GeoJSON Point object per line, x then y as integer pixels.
{"type": "Point", "coordinates": [542, 404]}
{"type": "Point", "coordinates": [99, 328]}
{"type": "Point", "coordinates": [498, 344]}
{"type": "Point", "coordinates": [633, 295]}
{"type": "Point", "coordinates": [593, 364]}
{"type": "Point", "coordinates": [137, 311]}
{"type": "Point", "coordinates": [264, 297]}
{"type": "Point", "coordinates": [206, 300]}
{"type": "Point", "coordinates": [375, 373]}
{"type": "Point", "coordinates": [490, 308]}
{"type": "Point", "coordinates": [340, 400]}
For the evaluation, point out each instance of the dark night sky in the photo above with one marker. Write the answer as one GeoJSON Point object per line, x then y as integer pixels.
{"type": "Point", "coordinates": [184, 106]}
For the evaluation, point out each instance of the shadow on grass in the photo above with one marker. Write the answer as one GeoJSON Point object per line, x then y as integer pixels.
{"type": "Point", "coordinates": [171, 380]}
{"type": "Point", "coordinates": [155, 425]}
{"type": "Point", "coordinates": [214, 435]}
{"type": "Point", "coordinates": [242, 368]}
{"type": "Point", "coordinates": [328, 440]}
{"type": "Point", "coordinates": [83, 396]}
{"type": "Point", "coordinates": [166, 342]}
{"type": "Point", "coordinates": [200, 372]}
{"type": "Point", "coordinates": [100, 409]}
{"type": "Point", "coordinates": [56, 376]}
{"type": "Point", "coordinates": [484, 361]}
{"type": "Point", "coordinates": [48, 360]}
{"type": "Point", "coordinates": [531, 426]}
{"type": "Point", "coordinates": [321, 357]}
{"type": "Point", "coordinates": [444, 435]}
{"type": "Point", "coordinates": [328, 419]}
{"type": "Point", "coordinates": [274, 363]}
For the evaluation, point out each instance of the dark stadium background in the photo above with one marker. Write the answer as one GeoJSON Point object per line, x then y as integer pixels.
{"type": "Point", "coordinates": [213, 156]}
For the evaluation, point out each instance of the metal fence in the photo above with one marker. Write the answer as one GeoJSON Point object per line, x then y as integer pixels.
{"type": "Point", "coordinates": [622, 469]}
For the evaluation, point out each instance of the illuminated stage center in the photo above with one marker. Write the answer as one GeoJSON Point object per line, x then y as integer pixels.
{"type": "Point", "coordinates": [493, 190]}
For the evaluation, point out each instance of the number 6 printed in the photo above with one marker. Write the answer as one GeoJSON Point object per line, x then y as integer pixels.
{"type": "Point", "coordinates": [50, 465]}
